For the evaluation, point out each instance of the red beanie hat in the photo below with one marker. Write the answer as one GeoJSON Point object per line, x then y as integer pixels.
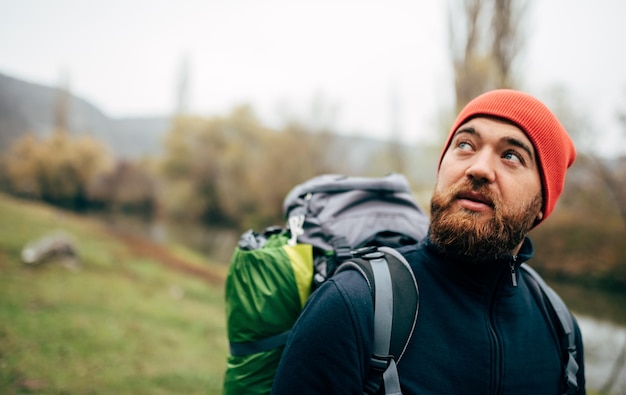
{"type": "Point", "coordinates": [555, 149]}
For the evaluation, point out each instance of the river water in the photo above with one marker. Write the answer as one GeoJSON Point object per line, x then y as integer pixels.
{"type": "Point", "coordinates": [601, 316]}
{"type": "Point", "coordinates": [605, 352]}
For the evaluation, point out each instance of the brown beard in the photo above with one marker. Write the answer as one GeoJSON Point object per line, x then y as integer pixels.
{"type": "Point", "coordinates": [459, 233]}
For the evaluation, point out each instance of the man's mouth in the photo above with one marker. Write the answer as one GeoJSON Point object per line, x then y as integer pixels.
{"type": "Point", "coordinates": [474, 201]}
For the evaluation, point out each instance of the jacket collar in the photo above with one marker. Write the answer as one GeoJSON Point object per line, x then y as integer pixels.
{"type": "Point", "coordinates": [483, 276]}
{"type": "Point", "coordinates": [525, 253]}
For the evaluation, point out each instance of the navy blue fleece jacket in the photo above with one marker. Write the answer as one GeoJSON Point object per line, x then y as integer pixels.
{"type": "Point", "coordinates": [476, 333]}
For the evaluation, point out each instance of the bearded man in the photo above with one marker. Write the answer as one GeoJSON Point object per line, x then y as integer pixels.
{"type": "Point", "coordinates": [479, 330]}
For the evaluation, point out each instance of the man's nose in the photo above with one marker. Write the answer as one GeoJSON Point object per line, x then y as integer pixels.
{"type": "Point", "coordinates": [482, 167]}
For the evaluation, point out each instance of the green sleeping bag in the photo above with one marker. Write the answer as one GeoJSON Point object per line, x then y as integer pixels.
{"type": "Point", "coordinates": [267, 286]}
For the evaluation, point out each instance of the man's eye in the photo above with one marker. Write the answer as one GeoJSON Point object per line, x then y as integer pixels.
{"type": "Point", "coordinates": [513, 157]}
{"type": "Point", "coordinates": [464, 145]}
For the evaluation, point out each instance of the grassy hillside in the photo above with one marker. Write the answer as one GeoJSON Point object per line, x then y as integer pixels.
{"type": "Point", "coordinates": [132, 318]}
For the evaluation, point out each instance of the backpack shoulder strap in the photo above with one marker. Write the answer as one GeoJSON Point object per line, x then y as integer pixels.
{"type": "Point", "coordinates": [396, 303]}
{"type": "Point", "coordinates": [564, 324]}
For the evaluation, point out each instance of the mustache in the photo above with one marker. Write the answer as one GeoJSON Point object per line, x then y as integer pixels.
{"type": "Point", "coordinates": [472, 190]}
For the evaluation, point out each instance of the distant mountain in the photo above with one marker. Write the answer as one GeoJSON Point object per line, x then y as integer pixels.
{"type": "Point", "coordinates": [28, 107]}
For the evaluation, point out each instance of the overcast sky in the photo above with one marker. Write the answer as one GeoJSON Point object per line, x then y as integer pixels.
{"type": "Point", "coordinates": [125, 56]}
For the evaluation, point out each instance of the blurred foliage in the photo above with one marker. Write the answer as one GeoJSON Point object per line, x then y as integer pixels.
{"type": "Point", "coordinates": [582, 239]}
{"type": "Point", "coordinates": [129, 187]}
{"type": "Point", "coordinates": [234, 171]}
{"type": "Point", "coordinates": [224, 171]}
{"type": "Point", "coordinates": [605, 175]}
{"type": "Point", "coordinates": [56, 169]}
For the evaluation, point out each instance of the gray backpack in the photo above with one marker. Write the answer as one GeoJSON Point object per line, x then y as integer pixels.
{"type": "Point", "coordinates": [338, 214]}
{"type": "Point", "coordinates": [332, 221]}
{"type": "Point", "coordinates": [354, 223]}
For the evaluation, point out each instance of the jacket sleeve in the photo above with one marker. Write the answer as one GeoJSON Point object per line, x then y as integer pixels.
{"type": "Point", "coordinates": [329, 348]}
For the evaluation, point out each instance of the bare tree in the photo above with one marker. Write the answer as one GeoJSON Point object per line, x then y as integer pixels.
{"type": "Point", "coordinates": [467, 59]}
{"type": "Point", "coordinates": [484, 54]}
{"type": "Point", "coordinates": [508, 39]}
{"type": "Point", "coordinates": [576, 122]}
{"type": "Point", "coordinates": [616, 182]}
{"type": "Point", "coordinates": [62, 105]}
{"type": "Point", "coordinates": [396, 152]}
{"type": "Point", "coordinates": [182, 88]}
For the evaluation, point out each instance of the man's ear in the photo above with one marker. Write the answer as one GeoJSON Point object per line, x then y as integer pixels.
{"type": "Point", "coordinates": [539, 217]}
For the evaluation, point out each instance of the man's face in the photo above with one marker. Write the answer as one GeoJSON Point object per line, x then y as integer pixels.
{"type": "Point", "coordinates": [488, 192]}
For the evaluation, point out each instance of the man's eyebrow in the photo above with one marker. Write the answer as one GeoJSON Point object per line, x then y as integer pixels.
{"type": "Point", "coordinates": [467, 129]}
{"type": "Point", "coordinates": [518, 143]}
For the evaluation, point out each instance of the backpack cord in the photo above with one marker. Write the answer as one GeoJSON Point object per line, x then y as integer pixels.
{"type": "Point", "coordinates": [296, 221]}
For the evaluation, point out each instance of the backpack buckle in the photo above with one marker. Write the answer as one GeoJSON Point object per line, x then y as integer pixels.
{"type": "Point", "coordinates": [343, 253]}
{"type": "Point", "coordinates": [296, 226]}
{"type": "Point", "coordinates": [379, 363]}
{"type": "Point", "coordinates": [367, 252]}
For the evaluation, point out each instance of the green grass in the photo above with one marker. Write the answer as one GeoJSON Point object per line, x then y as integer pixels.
{"type": "Point", "coordinates": [122, 323]}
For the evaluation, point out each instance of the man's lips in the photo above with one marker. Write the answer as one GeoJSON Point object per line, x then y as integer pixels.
{"type": "Point", "coordinates": [474, 201]}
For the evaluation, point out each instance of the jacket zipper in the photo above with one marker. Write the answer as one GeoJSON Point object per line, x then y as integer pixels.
{"type": "Point", "coordinates": [497, 380]}
{"type": "Point", "coordinates": [513, 276]}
